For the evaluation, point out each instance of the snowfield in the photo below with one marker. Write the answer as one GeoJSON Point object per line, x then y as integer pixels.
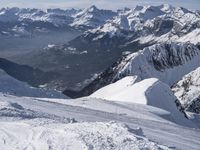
{"type": "Point", "coordinates": [147, 92]}
{"type": "Point", "coordinates": [83, 136]}
{"type": "Point", "coordinates": [89, 123]}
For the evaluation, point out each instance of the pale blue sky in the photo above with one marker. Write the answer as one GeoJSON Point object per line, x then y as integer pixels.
{"type": "Point", "coordinates": [107, 4]}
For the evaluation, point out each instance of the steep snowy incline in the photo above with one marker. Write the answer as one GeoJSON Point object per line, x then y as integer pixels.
{"type": "Point", "coordinates": [193, 36]}
{"type": "Point", "coordinates": [116, 88]}
{"type": "Point", "coordinates": [12, 86]}
{"type": "Point", "coordinates": [187, 90]}
{"type": "Point", "coordinates": [168, 62]}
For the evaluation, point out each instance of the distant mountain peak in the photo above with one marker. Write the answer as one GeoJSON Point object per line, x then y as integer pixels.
{"type": "Point", "coordinates": [92, 8]}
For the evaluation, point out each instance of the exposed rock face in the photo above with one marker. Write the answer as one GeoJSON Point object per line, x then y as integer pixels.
{"type": "Point", "coordinates": [187, 90]}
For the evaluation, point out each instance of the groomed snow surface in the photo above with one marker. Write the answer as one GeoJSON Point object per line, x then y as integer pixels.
{"type": "Point", "coordinates": [90, 123]}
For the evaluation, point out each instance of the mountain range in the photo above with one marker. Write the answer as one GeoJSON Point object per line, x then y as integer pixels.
{"type": "Point", "coordinates": [128, 79]}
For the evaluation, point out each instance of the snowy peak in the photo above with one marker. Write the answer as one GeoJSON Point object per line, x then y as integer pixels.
{"type": "Point", "coordinates": [92, 17]}
{"type": "Point", "coordinates": [162, 23]}
{"type": "Point", "coordinates": [93, 8]}
{"type": "Point", "coordinates": [8, 15]}
{"type": "Point", "coordinates": [23, 22]}
{"type": "Point", "coordinates": [166, 8]}
{"type": "Point", "coordinates": [150, 12]}
{"type": "Point", "coordinates": [142, 19]}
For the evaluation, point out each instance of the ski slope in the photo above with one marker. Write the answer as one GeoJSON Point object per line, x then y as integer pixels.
{"type": "Point", "coordinates": [89, 123]}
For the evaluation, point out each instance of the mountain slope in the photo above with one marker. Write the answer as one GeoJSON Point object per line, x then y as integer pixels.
{"type": "Point", "coordinates": [33, 76]}
{"type": "Point", "coordinates": [92, 17]}
{"type": "Point", "coordinates": [166, 61]}
{"type": "Point", "coordinates": [111, 35]}
{"type": "Point", "coordinates": [187, 90]}
{"type": "Point", "coordinates": [143, 25]}
{"type": "Point", "coordinates": [12, 86]}
{"type": "Point", "coordinates": [161, 22]}
{"type": "Point", "coordinates": [147, 92]}
{"type": "Point", "coordinates": [50, 120]}
{"type": "Point", "coordinates": [16, 22]}
{"type": "Point", "coordinates": [20, 22]}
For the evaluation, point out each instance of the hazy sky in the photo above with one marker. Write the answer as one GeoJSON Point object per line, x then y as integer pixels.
{"type": "Point", "coordinates": [107, 4]}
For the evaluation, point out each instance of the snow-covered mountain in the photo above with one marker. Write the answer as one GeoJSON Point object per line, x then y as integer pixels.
{"type": "Point", "coordinates": [49, 15]}
{"type": "Point", "coordinates": [112, 34]}
{"type": "Point", "coordinates": [92, 17]}
{"type": "Point", "coordinates": [160, 22]}
{"type": "Point", "coordinates": [187, 90]}
{"type": "Point", "coordinates": [26, 21]}
{"type": "Point", "coordinates": [165, 20]}
{"type": "Point", "coordinates": [166, 61]}
{"type": "Point", "coordinates": [147, 99]}
{"type": "Point", "coordinates": [144, 25]}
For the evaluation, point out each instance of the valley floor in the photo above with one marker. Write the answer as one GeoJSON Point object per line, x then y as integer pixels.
{"type": "Point", "coordinates": [89, 123]}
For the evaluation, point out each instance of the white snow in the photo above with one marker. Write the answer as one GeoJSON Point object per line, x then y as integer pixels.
{"type": "Point", "coordinates": [145, 19]}
{"type": "Point", "coordinates": [51, 45]}
{"type": "Point", "coordinates": [112, 90]}
{"type": "Point", "coordinates": [141, 63]}
{"type": "Point", "coordinates": [92, 17]}
{"type": "Point", "coordinates": [108, 125]}
{"type": "Point", "coordinates": [193, 37]}
{"type": "Point", "coordinates": [136, 112]}
{"type": "Point", "coordinates": [79, 136]}
{"type": "Point", "coordinates": [147, 92]}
